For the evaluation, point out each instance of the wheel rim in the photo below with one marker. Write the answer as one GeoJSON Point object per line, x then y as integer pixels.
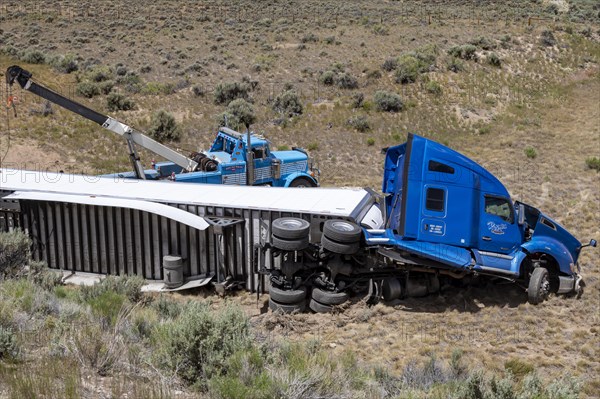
{"type": "Point", "coordinates": [342, 226]}
{"type": "Point", "coordinates": [291, 223]}
{"type": "Point", "coordinates": [545, 287]}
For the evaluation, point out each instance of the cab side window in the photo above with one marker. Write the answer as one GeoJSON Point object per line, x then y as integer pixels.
{"type": "Point", "coordinates": [500, 207]}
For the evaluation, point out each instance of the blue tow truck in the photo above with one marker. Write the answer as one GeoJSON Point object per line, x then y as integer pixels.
{"type": "Point", "coordinates": [442, 216]}
{"type": "Point", "coordinates": [230, 159]}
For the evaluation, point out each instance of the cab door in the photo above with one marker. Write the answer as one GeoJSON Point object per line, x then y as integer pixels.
{"type": "Point", "coordinates": [498, 230]}
{"type": "Point", "coordinates": [262, 165]}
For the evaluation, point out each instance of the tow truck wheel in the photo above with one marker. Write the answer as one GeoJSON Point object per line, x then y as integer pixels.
{"type": "Point", "coordinates": [342, 231]}
{"type": "Point", "coordinates": [287, 308]}
{"type": "Point", "coordinates": [340, 248]}
{"type": "Point", "coordinates": [290, 228]}
{"type": "Point", "coordinates": [328, 297]}
{"type": "Point", "coordinates": [302, 182]}
{"type": "Point", "coordinates": [287, 296]}
{"type": "Point", "coordinates": [539, 286]}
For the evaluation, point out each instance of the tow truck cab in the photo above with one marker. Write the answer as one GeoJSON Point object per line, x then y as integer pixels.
{"type": "Point", "coordinates": [227, 158]}
{"type": "Point", "coordinates": [446, 208]}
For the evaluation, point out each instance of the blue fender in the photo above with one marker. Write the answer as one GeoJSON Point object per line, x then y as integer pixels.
{"type": "Point", "coordinates": [294, 176]}
{"type": "Point", "coordinates": [552, 247]}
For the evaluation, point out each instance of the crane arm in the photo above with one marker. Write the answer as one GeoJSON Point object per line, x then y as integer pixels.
{"type": "Point", "coordinates": [23, 78]}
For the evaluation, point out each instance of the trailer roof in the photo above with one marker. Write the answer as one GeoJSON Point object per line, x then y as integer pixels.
{"type": "Point", "coordinates": [344, 202]}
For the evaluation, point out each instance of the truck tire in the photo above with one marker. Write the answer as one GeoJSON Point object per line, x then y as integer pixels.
{"type": "Point", "coordinates": [287, 308]}
{"type": "Point", "coordinates": [342, 231]}
{"type": "Point", "coordinates": [339, 248]}
{"type": "Point", "coordinates": [302, 182]}
{"type": "Point", "coordinates": [289, 297]}
{"type": "Point", "coordinates": [290, 228]}
{"type": "Point", "coordinates": [290, 245]}
{"type": "Point", "coordinates": [539, 286]}
{"type": "Point", "coordinates": [328, 297]}
{"type": "Point", "coordinates": [318, 307]}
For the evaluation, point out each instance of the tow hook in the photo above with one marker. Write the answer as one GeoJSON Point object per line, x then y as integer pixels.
{"type": "Point", "coordinates": [579, 286]}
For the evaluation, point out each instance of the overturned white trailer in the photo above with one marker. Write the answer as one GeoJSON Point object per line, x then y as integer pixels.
{"type": "Point", "coordinates": [121, 226]}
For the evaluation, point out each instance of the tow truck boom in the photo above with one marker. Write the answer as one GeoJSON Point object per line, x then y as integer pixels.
{"type": "Point", "coordinates": [133, 137]}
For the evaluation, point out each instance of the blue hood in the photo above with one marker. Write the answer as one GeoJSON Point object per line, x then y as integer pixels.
{"type": "Point", "coordinates": [290, 156]}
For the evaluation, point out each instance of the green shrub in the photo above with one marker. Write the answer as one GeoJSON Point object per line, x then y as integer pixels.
{"type": "Point", "coordinates": [433, 87]}
{"type": "Point", "coordinates": [224, 93]}
{"type": "Point", "coordinates": [41, 276]}
{"type": "Point", "coordinates": [593, 163]}
{"type": "Point", "coordinates": [494, 60]}
{"type": "Point", "coordinates": [8, 343]}
{"type": "Point", "coordinates": [454, 65]}
{"type": "Point", "coordinates": [408, 69]}
{"type": "Point", "coordinates": [312, 146]}
{"type": "Point", "coordinates": [106, 86]}
{"type": "Point", "coordinates": [129, 286]}
{"type": "Point", "coordinates": [359, 122]}
{"type": "Point", "coordinates": [14, 253]}
{"type": "Point", "coordinates": [198, 91]}
{"type": "Point", "coordinates": [518, 368]}
{"type": "Point", "coordinates": [532, 387]}
{"type": "Point", "coordinates": [166, 308]}
{"type": "Point", "coordinates": [33, 57]}
{"type": "Point", "coordinates": [107, 305]}
{"type": "Point", "coordinates": [242, 111]}
{"type": "Point", "coordinates": [370, 141]}
{"type": "Point", "coordinates": [346, 81]}
{"type": "Point", "coordinates": [473, 387]}
{"type": "Point", "coordinates": [530, 152]}
{"type": "Point", "coordinates": [327, 78]}
{"type": "Point", "coordinates": [381, 30]}
{"type": "Point", "coordinates": [87, 89]}
{"type": "Point", "coordinates": [310, 38]}
{"type": "Point", "coordinates": [198, 344]}
{"type": "Point", "coordinates": [466, 52]}
{"type": "Point", "coordinates": [247, 378]}
{"type": "Point", "coordinates": [288, 103]}
{"type": "Point", "coordinates": [483, 42]}
{"type": "Point", "coordinates": [547, 38]}
{"type": "Point", "coordinates": [226, 119]}
{"type": "Point", "coordinates": [387, 101]}
{"type": "Point", "coordinates": [118, 102]}
{"type": "Point", "coordinates": [156, 88]}
{"type": "Point", "coordinates": [99, 74]}
{"type": "Point", "coordinates": [390, 64]}
{"type": "Point", "coordinates": [163, 127]}
{"type": "Point", "coordinates": [65, 64]}
{"type": "Point", "coordinates": [358, 100]}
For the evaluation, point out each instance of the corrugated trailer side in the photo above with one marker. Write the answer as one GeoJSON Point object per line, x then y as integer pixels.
{"type": "Point", "coordinates": [76, 234]}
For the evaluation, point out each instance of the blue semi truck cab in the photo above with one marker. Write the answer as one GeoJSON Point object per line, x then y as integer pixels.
{"type": "Point", "coordinates": [226, 162]}
{"type": "Point", "coordinates": [443, 216]}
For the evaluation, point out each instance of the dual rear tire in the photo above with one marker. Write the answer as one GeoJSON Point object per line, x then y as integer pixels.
{"type": "Point", "coordinates": [324, 301]}
{"type": "Point", "coordinates": [341, 237]}
{"type": "Point", "coordinates": [287, 301]}
{"type": "Point", "coordinates": [290, 234]}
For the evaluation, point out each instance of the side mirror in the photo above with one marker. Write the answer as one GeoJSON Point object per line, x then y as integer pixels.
{"type": "Point", "coordinates": [521, 214]}
{"type": "Point", "coordinates": [592, 243]}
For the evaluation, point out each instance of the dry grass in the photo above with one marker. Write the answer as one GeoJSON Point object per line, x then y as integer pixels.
{"type": "Point", "coordinates": [541, 97]}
